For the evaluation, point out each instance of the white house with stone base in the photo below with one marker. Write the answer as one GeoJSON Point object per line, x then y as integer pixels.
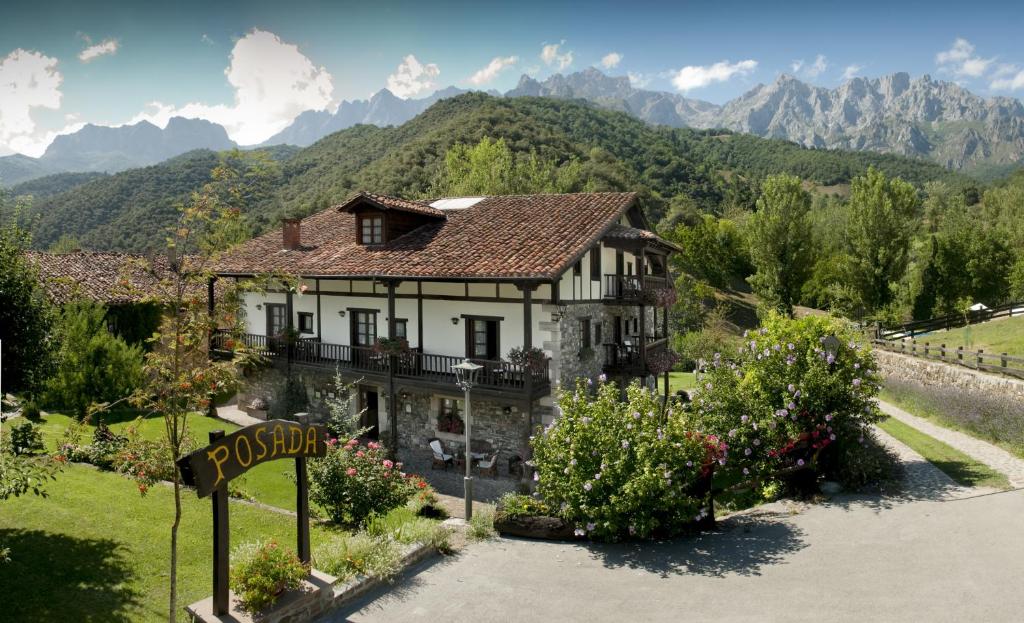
{"type": "Point", "coordinates": [392, 293]}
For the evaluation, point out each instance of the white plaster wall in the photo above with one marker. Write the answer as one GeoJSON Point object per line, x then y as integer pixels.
{"type": "Point", "coordinates": [440, 335]}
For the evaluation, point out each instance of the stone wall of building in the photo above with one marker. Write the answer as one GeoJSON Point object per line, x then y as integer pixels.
{"type": "Point", "coordinates": [270, 384]}
{"type": "Point", "coordinates": [907, 368]}
{"type": "Point", "coordinates": [504, 426]}
{"type": "Point", "coordinates": [573, 362]}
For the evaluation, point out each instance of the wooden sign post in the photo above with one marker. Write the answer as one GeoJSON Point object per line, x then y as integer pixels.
{"type": "Point", "coordinates": [210, 469]}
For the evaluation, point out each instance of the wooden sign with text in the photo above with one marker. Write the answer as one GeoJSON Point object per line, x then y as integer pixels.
{"type": "Point", "coordinates": [232, 455]}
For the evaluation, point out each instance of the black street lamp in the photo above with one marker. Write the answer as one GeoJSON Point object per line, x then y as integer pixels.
{"type": "Point", "coordinates": [465, 378]}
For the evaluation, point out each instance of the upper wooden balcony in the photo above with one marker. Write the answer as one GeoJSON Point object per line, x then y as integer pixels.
{"type": "Point", "coordinates": [412, 367]}
{"type": "Point", "coordinates": [632, 289]}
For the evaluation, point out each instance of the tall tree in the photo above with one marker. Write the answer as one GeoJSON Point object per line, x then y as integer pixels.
{"type": "Point", "coordinates": [878, 234]}
{"type": "Point", "coordinates": [491, 168]}
{"type": "Point", "coordinates": [26, 316]}
{"type": "Point", "coordinates": [779, 236]}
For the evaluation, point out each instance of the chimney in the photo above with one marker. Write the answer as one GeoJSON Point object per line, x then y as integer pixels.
{"type": "Point", "coordinates": [292, 234]}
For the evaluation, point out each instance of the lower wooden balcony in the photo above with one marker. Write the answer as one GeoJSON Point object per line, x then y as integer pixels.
{"type": "Point", "coordinates": [626, 358]}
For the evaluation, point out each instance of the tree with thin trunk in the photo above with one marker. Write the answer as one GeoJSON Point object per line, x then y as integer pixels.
{"type": "Point", "coordinates": [181, 377]}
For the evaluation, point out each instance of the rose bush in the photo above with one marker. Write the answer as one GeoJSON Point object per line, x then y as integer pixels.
{"type": "Point", "coordinates": [800, 393]}
{"type": "Point", "coordinates": [616, 469]}
{"type": "Point", "coordinates": [354, 481]}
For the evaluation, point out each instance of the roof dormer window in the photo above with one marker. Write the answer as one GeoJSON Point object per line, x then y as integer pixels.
{"type": "Point", "coordinates": [371, 229]}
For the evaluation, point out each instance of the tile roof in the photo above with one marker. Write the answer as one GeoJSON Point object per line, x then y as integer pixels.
{"type": "Point", "coordinates": [387, 202]}
{"type": "Point", "coordinates": [500, 237]}
{"type": "Point", "coordinates": [619, 231]}
{"type": "Point", "coordinates": [96, 275]}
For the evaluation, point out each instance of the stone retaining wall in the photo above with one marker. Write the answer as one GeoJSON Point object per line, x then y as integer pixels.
{"type": "Point", "coordinates": [907, 368]}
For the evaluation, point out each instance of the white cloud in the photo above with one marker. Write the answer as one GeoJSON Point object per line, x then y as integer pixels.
{"type": "Point", "coordinates": [491, 71]}
{"type": "Point", "coordinates": [107, 46]}
{"type": "Point", "coordinates": [638, 80]}
{"type": "Point", "coordinates": [554, 57]}
{"type": "Point", "coordinates": [611, 60]}
{"type": "Point", "coordinates": [851, 71]}
{"type": "Point", "coordinates": [697, 76]}
{"type": "Point", "coordinates": [205, 38]}
{"type": "Point", "coordinates": [28, 80]}
{"type": "Point", "coordinates": [274, 82]}
{"type": "Point", "coordinates": [412, 77]}
{"type": "Point", "coordinates": [813, 70]}
{"type": "Point", "coordinates": [961, 61]}
{"type": "Point", "coordinates": [1007, 78]}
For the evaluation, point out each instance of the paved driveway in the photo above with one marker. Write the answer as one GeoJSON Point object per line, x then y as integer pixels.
{"type": "Point", "coordinates": [852, 559]}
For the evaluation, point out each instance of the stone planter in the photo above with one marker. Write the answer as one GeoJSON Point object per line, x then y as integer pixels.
{"type": "Point", "coordinates": [533, 527]}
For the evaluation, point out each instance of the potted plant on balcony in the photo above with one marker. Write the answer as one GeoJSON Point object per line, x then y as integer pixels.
{"type": "Point", "coordinates": [391, 346]}
{"type": "Point", "coordinates": [531, 359]}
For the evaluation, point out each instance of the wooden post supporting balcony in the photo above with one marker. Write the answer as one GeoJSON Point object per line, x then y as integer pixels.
{"type": "Point", "coordinates": [527, 289]}
{"type": "Point", "coordinates": [643, 312]}
{"type": "Point", "coordinates": [392, 364]}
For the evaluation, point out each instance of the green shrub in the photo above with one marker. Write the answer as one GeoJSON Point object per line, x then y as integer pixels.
{"type": "Point", "coordinates": [402, 525]}
{"type": "Point", "coordinates": [358, 554]}
{"type": "Point", "coordinates": [481, 525]}
{"type": "Point", "coordinates": [354, 482]}
{"type": "Point", "coordinates": [425, 503]}
{"type": "Point", "coordinates": [615, 468]}
{"type": "Point", "coordinates": [520, 505]}
{"type": "Point", "coordinates": [30, 411]}
{"type": "Point", "coordinates": [261, 571]}
{"type": "Point", "coordinates": [93, 365]}
{"type": "Point", "coordinates": [25, 438]}
{"type": "Point", "coordinates": [797, 389]}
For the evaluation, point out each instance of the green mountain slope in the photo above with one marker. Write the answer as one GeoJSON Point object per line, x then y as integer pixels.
{"type": "Point", "coordinates": [128, 210]}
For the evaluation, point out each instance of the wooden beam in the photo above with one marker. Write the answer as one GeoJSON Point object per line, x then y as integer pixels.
{"type": "Point", "coordinates": [392, 362]}
{"type": "Point", "coordinates": [319, 334]}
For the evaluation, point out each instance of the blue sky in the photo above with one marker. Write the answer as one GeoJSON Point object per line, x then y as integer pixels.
{"type": "Point", "coordinates": [254, 66]}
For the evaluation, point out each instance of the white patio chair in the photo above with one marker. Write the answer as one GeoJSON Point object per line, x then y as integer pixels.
{"type": "Point", "coordinates": [441, 458]}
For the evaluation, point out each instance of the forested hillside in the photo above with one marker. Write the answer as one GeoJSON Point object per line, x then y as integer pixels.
{"type": "Point", "coordinates": [709, 170]}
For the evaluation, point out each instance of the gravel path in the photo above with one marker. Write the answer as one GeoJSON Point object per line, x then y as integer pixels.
{"type": "Point", "coordinates": [981, 451]}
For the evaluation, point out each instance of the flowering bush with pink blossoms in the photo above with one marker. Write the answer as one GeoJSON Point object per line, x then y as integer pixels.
{"type": "Point", "coordinates": [616, 469]}
{"type": "Point", "coordinates": [354, 482]}
{"type": "Point", "coordinates": [800, 393]}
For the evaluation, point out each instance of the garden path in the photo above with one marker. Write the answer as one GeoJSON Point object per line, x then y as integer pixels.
{"type": "Point", "coordinates": [981, 451]}
{"type": "Point", "coordinates": [921, 479]}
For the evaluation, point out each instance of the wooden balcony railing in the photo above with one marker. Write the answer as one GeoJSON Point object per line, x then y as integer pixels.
{"type": "Point", "coordinates": [626, 357]}
{"type": "Point", "coordinates": [631, 288]}
{"type": "Point", "coordinates": [409, 364]}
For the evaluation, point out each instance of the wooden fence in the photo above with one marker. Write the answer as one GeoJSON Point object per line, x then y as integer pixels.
{"type": "Point", "coordinates": [952, 321]}
{"type": "Point", "coordinates": [974, 359]}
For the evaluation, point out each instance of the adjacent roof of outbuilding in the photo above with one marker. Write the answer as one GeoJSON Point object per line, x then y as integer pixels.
{"type": "Point", "coordinates": [502, 237]}
{"type": "Point", "coordinates": [105, 277]}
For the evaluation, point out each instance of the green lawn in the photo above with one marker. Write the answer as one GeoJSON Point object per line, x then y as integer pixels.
{"type": "Point", "coordinates": [677, 381]}
{"type": "Point", "coordinates": [95, 550]}
{"type": "Point", "coordinates": [269, 483]}
{"type": "Point", "coordinates": [961, 468]}
{"type": "Point", "coordinates": [1005, 335]}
